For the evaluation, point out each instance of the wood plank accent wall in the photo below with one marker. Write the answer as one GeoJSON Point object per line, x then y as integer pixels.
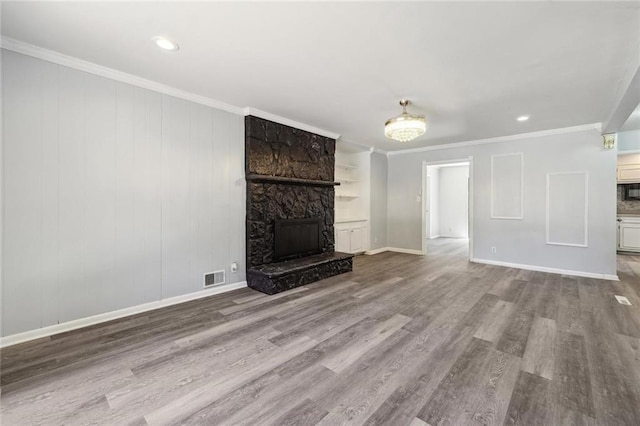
{"type": "Point", "coordinates": [114, 195]}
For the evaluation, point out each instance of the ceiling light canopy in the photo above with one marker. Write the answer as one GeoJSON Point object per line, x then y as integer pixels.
{"type": "Point", "coordinates": [405, 127]}
{"type": "Point", "coordinates": [166, 44]}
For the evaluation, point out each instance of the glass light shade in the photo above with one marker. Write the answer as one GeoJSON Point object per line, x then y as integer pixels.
{"type": "Point", "coordinates": [405, 127]}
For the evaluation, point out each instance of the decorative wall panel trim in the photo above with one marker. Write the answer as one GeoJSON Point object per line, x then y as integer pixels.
{"type": "Point", "coordinates": [507, 186]}
{"type": "Point", "coordinates": [567, 211]}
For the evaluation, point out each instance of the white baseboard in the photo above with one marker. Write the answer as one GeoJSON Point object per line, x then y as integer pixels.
{"type": "Point", "coordinates": [108, 316]}
{"type": "Point", "coordinates": [377, 251]}
{"type": "Point", "coordinates": [396, 249]}
{"type": "Point", "coordinates": [549, 270]}
{"type": "Point", "coordinates": [407, 251]}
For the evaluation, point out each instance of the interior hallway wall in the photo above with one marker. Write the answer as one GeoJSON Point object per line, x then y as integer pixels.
{"type": "Point", "coordinates": [454, 202]}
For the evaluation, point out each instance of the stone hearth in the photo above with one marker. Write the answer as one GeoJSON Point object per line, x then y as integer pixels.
{"type": "Point", "coordinates": [273, 278]}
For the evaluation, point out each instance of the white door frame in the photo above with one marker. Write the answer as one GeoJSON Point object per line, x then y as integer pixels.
{"type": "Point", "coordinates": [425, 194]}
{"type": "Point", "coordinates": [427, 209]}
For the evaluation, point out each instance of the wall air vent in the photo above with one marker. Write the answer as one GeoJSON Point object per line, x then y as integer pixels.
{"type": "Point", "coordinates": [213, 278]}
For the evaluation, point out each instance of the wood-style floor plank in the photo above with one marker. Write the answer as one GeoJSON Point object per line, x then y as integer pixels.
{"type": "Point", "coordinates": [539, 355]}
{"type": "Point", "coordinates": [401, 340]}
{"type": "Point", "coordinates": [475, 389]}
{"type": "Point", "coordinates": [491, 329]}
{"type": "Point", "coordinates": [572, 375]}
{"type": "Point", "coordinates": [339, 360]}
{"type": "Point", "coordinates": [529, 403]}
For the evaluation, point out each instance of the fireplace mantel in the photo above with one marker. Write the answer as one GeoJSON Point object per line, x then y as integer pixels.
{"type": "Point", "coordinates": [290, 181]}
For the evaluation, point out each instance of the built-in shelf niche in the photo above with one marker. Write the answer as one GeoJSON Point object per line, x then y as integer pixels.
{"type": "Point", "coordinates": [352, 170]}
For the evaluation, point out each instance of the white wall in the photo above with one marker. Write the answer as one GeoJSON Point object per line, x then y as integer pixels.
{"type": "Point", "coordinates": [628, 141]}
{"type": "Point", "coordinates": [433, 192]}
{"type": "Point", "coordinates": [114, 195]}
{"type": "Point", "coordinates": [454, 202]}
{"type": "Point", "coordinates": [378, 237]}
{"type": "Point", "coordinates": [624, 159]}
{"type": "Point", "coordinates": [518, 241]}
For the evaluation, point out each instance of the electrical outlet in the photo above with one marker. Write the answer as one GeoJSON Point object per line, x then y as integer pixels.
{"type": "Point", "coordinates": [493, 250]}
{"type": "Point", "coordinates": [375, 239]}
{"type": "Point", "coordinates": [234, 267]}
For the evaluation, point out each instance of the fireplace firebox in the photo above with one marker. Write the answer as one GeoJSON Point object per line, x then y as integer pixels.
{"type": "Point", "coordinates": [296, 238]}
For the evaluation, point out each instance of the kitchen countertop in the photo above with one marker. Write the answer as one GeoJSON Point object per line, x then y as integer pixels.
{"type": "Point", "coordinates": [626, 213]}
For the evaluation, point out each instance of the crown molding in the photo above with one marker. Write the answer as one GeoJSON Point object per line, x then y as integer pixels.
{"type": "Point", "coordinates": [362, 147]}
{"type": "Point", "coordinates": [511, 138]}
{"type": "Point", "coordinates": [92, 68]}
{"type": "Point", "coordinates": [288, 122]}
{"type": "Point", "coordinates": [380, 151]}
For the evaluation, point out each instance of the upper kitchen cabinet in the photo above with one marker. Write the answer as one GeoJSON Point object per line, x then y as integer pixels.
{"type": "Point", "coordinates": [629, 173]}
{"type": "Point", "coordinates": [628, 168]}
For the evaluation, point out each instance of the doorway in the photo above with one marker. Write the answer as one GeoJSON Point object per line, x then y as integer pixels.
{"type": "Point", "coordinates": [447, 207]}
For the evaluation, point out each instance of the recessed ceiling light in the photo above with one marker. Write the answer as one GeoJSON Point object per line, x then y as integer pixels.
{"type": "Point", "coordinates": [523, 118]}
{"type": "Point", "coordinates": [166, 44]}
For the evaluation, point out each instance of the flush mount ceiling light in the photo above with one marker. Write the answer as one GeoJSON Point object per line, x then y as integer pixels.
{"type": "Point", "coordinates": [405, 127]}
{"type": "Point", "coordinates": [523, 118]}
{"type": "Point", "coordinates": [166, 44]}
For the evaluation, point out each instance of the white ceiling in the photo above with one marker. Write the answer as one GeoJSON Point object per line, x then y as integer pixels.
{"type": "Point", "coordinates": [471, 68]}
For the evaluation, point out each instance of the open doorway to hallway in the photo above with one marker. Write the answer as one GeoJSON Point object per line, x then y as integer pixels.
{"type": "Point", "coordinates": [446, 189]}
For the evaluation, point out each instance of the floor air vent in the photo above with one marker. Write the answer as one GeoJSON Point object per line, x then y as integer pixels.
{"type": "Point", "coordinates": [214, 278]}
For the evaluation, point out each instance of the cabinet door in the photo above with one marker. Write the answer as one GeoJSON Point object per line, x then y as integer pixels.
{"type": "Point", "coordinates": [357, 240]}
{"type": "Point", "coordinates": [343, 240]}
{"type": "Point", "coordinates": [630, 236]}
{"type": "Point", "coordinates": [629, 173]}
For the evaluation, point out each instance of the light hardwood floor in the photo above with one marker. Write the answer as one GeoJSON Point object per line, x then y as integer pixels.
{"type": "Point", "coordinates": [402, 340]}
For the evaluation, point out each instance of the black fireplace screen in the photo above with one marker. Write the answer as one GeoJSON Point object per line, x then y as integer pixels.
{"type": "Point", "coordinates": [296, 238]}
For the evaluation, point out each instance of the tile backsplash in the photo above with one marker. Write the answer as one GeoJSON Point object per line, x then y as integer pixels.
{"type": "Point", "coordinates": [629, 205]}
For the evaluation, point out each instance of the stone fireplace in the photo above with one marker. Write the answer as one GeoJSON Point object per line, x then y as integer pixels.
{"type": "Point", "coordinates": [290, 207]}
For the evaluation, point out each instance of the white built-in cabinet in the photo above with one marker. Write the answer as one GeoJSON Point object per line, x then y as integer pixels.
{"type": "Point", "coordinates": [352, 170]}
{"type": "Point", "coordinates": [351, 237]}
{"type": "Point", "coordinates": [629, 235]}
{"type": "Point", "coordinates": [628, 173]}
